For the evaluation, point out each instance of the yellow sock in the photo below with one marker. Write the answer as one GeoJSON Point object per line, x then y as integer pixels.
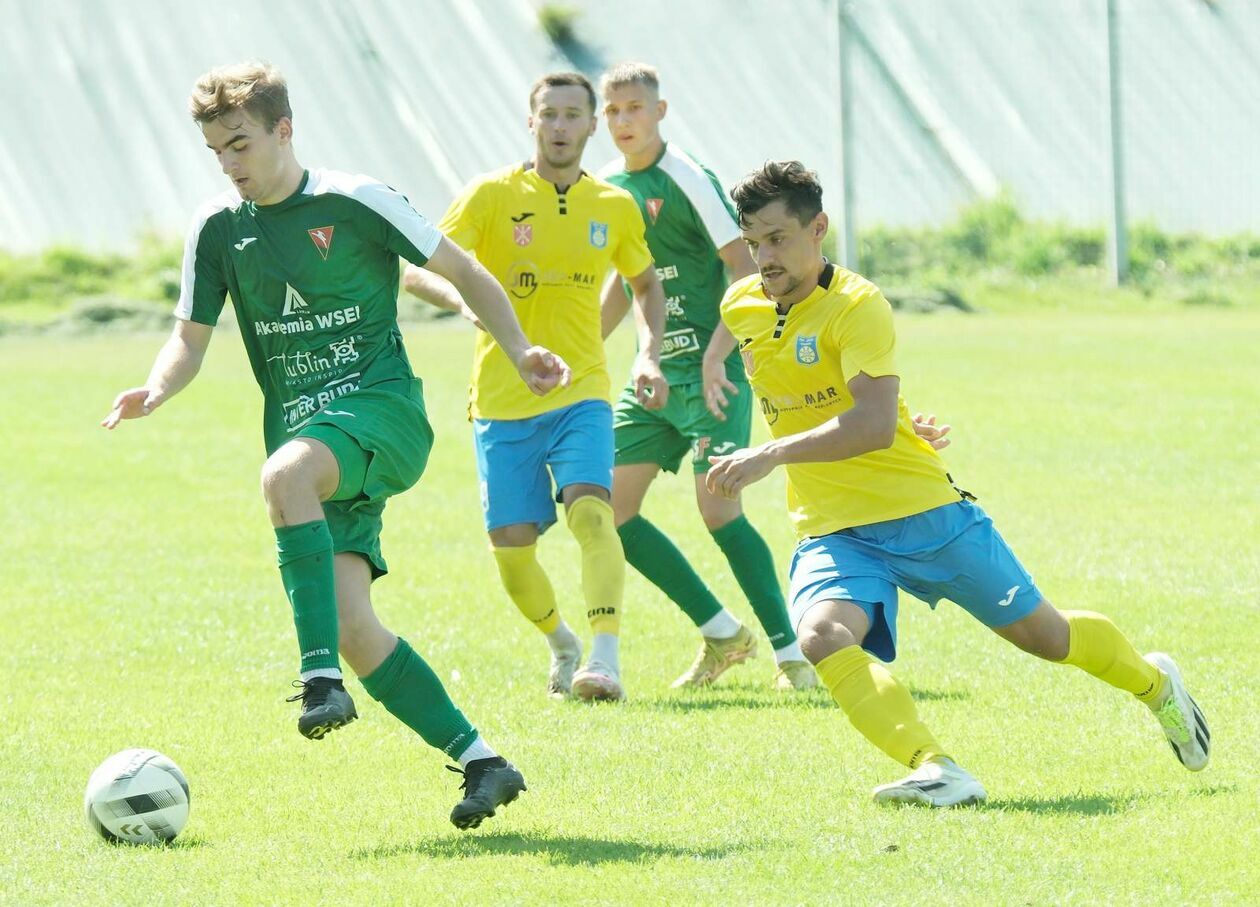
{"type": "Point", "coordinates": [879, 707]}
{"type": "Point", "coordinates": [603, 562]}
{"type": "Point", "coordinates": [527, 585]}
{"type": "Point", "coordinates": [1096, 646]}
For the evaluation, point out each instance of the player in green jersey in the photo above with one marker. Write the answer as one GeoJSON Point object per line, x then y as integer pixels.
{"type": "Point", "coordinates": [695, 242]}
{"type": "Point", "coordinates": [311, 260]}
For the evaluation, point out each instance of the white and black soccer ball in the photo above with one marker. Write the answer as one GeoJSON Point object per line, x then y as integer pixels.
{"type": "Point", "coordinates": [138, 796]}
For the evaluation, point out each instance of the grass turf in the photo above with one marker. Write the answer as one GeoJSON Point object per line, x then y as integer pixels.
{"type": "Point", "coordinates": [1116, 452]}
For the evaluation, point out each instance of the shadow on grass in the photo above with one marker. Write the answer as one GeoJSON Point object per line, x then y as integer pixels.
{"type": "Point", "coordinates": [180, 843]}
{"type": "Point", "coordinates": [709, 700]}
{"type": "Point", "coordinates": [921, 695]}
{"type": "Point", "coordinates": [1083, 804]}
{"type": "Point", "coordinates": [1078, 804]}
{"type": "Point", "coordinates": [565, 850]}
{"type": "Point", "coordinates": [756, 697]}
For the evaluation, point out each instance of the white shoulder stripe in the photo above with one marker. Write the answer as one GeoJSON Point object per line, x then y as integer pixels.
{"type": "Point", "coordinates": [384, 201]}
{"type": "Point", "coordinates": [616, 165]}
{"type": "Point", "coordinates": [188, 274]}
{"type": "Point", "coordinates": [694, 181]}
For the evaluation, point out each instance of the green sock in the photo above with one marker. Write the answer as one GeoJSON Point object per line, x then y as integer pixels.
{"type": "Point", "coordinates": [753, 566]}
{"type": "Point", "coordinates": [305, 553]}
{"type": "Point", "coordinates": [650, 551]}
{"type": "Point", "coordinates": [407, 686]}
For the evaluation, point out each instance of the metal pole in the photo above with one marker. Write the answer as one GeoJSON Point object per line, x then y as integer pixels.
{"type": "Point", "coordinates": [846, 238]}
{"type": "Point", "coordinates": [1119, 245]}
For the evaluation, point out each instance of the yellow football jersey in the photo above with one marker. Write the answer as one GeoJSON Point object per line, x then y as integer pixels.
{"type": "Point", "coordinates": [550, 251]}
{"type": "Point", "coordinates": [799, 365]}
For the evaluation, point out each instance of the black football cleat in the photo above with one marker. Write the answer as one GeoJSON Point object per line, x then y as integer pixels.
{"type": "Point", "coordinates": [488, 784]}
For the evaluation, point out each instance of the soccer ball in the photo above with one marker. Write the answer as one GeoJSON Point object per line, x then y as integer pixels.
{"type": "Point", "coordinates": [138, 796]}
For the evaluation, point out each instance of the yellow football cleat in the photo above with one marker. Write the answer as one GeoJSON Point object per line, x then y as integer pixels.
{"type": "Point", "coordinates": [795, 675]}
{"type": "Point", "coordinates": [716, 655]}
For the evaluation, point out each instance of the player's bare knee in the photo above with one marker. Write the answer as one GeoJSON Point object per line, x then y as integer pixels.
{"type": "Point", "coordinates": [1036, 641]}
{"type": "Point", "coordinates": [822, 635]}
{"type": "Point", "coordinates": [275, 479]}
{"type": "Point", "coordinates": [1043, 633]}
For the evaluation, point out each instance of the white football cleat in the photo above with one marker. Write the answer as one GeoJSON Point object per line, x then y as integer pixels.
{"type": "Point", "coordinates": [939, 783]}
{"type": "Point", "coordinates": [597, 682]}
{"type": "Point", "coordinates": [1180, 717]}
{"type": "Point", "coordinates": [563, 665]}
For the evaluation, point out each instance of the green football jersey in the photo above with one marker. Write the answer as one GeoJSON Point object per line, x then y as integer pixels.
{"type": "Point", "coordinates": [688, 219]}
{"type": "Point", "coordinates": [314, 282]}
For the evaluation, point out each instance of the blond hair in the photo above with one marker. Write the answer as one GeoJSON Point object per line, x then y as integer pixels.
{"type": "Point", "coordinates": [256, 88]}
{"type": "Point", "coordinates": [623, 74]}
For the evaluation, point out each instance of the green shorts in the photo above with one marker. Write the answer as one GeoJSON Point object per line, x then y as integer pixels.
{"type": "Point", "coordinates": [664, 436]}
{"type": "Point", "coordinates": [381, 438]}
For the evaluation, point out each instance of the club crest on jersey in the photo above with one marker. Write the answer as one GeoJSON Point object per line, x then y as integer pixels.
{"type": "Point", "coordinates": [599, 234]}
{"type": "Point", "coordinates": [322, 237]}
{"type": "Point", "coordinates": [654, 206]}
{"type": "Point", "coordinates": [807, 350]}
{"type": "Point", "coordinates": [522, 234]}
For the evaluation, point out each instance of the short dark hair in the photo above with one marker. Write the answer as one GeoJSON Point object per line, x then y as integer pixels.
{"type": "Point", "coordinates": [789, 181]}
{"type": "Point", "coordinates": [560, 79]}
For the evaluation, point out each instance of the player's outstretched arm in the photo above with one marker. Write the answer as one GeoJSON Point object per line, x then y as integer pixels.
{"type": "Point", "coordinates": [177, 363]}
{"type": "Point", "coordinates": [539, 368]}
{"type": "Point", "coordinates": [650, 385]}
{"type": "Point", "coordinates": [870, 424]}
{"type": "Point", "coordinates": [613, 304]}
{"type": "Point", "coordinates": [437, 291]}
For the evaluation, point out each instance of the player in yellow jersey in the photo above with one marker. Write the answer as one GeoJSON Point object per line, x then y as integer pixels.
{"type": "Point", "coordinates": [874, 507]}
{"type": "Point", "coordinates": [549, 232]}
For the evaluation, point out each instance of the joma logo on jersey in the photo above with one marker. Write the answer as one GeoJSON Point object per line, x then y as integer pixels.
{"type": "Point", "coordinates": [599, 234]}
{"type": "Point", "coordinates": [322, 237]}
{"type": "Point", "coordinates": [807, 350]}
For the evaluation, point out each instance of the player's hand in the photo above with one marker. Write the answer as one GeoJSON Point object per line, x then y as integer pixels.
{"type": "Point", "coordinates": [135, 403]}
{"type": "Point", "coordinates": [542, 370]}
{"type": "Point", "coordinates": [650, 387]}
{"type": "Point", "coordinates": [926, 428]}
{"type": "Point", "coordinates": [470, 315]}
{"type": "Point", "coordinates": [716, 387]}
{"type": "Point", "coordinates": [731, 474]}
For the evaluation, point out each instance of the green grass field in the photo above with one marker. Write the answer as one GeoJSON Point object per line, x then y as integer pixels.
{"type": "Point", "coordinates": [141, 607]}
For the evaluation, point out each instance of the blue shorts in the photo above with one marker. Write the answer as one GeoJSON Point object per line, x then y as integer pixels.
{"type": "Point", "coordinates": [952, 552]}
{"type": "Point", "coordinates": [517, 459]}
